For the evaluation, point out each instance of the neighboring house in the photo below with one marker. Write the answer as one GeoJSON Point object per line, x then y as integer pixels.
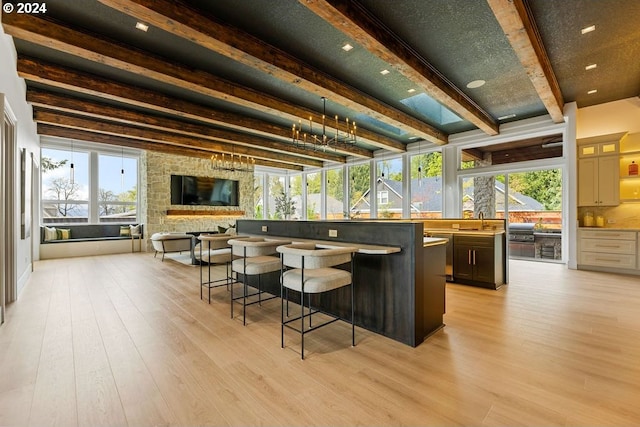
{"type": "Point", "coordinates": [426, 199]}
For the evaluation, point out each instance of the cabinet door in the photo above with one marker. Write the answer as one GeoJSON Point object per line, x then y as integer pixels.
{"type": "Point", "coordinates": [608, 181]}
{"type": "Point", "coordinates": [484, 267]}
{"type": "Point", "coordinates": [588, 182]}
{"type": "Point", "coordinates": [462, 266]}
{"type": "Point", "coordinates": [599, 181]}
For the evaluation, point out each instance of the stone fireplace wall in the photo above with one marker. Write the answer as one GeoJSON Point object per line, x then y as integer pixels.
{"type": "Point", "coordinates": [155, 182]}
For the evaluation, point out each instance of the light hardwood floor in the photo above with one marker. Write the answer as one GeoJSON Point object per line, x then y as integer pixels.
{"type": "Point", "coordinates": [125, 340]}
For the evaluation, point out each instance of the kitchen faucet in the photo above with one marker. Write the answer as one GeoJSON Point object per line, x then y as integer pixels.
{"type": "Point", "coordinates": [481, 217]}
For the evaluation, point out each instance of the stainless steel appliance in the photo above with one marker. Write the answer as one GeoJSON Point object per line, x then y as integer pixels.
{"type": "Point", "coordinates": [522, 240]}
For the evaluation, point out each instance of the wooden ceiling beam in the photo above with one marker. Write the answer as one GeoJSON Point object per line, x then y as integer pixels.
{"type": "Point", "coordinates": [43, 72]}
{"type": "Point", "coordinates": [516, 20]}
{"type": "Point", "coordinates": [101, 138]}
{"type": "Point", "coordinates": [151, 135]}
{"type": "Point", "coordinates": [231, 42]}
{"type": "Point", "coordinates": [469, 154]}
{"type": "Point", "coordinates": [45, 32]}
{"type": "Point", "coordinates": [83, 107]}
{"type": "Point", "coordinates": [354, 20]}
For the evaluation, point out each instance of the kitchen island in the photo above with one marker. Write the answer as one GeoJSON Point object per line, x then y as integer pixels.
{"type": "Point", "coordinates": [399, 292]}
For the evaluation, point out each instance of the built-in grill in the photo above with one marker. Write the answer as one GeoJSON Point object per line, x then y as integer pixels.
{"type": "Point", "coordinates": [522, 240]}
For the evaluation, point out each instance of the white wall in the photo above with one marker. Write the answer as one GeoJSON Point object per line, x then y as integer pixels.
{"type": "Point", "coordinates": [13, 88]}
{"type": "Point", "coordinates": [612, 117]}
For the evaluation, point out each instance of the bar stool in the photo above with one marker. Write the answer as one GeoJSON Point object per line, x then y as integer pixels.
{"type": "Point", "coordinates": [310, 269]}
{"type": "Point", "coordinates": [256, 256]}
{"type": "Point", "coordinates": [218, 252]}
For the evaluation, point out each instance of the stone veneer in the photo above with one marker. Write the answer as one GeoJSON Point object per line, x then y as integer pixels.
{"type": "Point", "coordinates": [155, 181]}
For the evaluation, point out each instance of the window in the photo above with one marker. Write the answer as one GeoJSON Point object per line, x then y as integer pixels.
{"type": "Point", "coordinates": [335, 194]}
{"type": "Point", "coordinates": [279, 201]}
{"type": "Point", "coordinates": [383, 197]}
{"type": "Point", "coordinates": [65, 186]}
{"type": "Point", "coordinates": [425, 185]}
{"type": "Point", "coordinates": [83, 183]}
{"type": "Point", "coordinates": [359, 206]}
{"type": "Point", "coordinates": [389, 188]}
{"type": "Point", "coordinates": [313, 195]}
{"type": "Point", "coordinates": [117, 190]}
{"type": "Point", "coordinates": [295, 191]}
{"type": "Point", "coordinates": [258, 200]}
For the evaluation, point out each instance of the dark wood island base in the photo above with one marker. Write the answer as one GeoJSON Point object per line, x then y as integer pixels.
{"type": "Point", "coordinates": [399, 275]}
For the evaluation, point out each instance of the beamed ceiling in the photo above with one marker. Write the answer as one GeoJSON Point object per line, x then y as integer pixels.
{"type": "Point", "coordinates": [232, 76]}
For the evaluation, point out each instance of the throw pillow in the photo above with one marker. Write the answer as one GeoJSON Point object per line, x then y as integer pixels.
{"type": "Point", "coordinates": [63, 233]}
{"type": "Point", "coordinates": [135, 230]}
{"type": "Point", "coordinates": [50, 233]}
{"type": "Point", "coordinates": [231, 231]}
{"type": "Point", "coordinates": [222, 230]}
{"type": "Point", "coordinates": [125, 231]}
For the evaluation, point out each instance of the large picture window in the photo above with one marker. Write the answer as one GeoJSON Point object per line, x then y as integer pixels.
{"type": "Point", "coordinates": [65, 186]}
{"type": "Point", "coordinates": [83, 183]}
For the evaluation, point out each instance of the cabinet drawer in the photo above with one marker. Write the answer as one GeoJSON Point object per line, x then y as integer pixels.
{"type": "Point", "coordinates": [612, 235]}
{"type": "Point", "coordinates": [608, 260]}
{"type": "Point", "coordinates": [608, 246]}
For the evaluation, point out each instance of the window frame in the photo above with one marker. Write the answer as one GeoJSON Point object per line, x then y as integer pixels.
{"type": "Point", "coordinates": [93, 202]}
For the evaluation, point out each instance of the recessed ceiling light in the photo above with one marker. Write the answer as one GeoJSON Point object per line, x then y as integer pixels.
{"type": "Point", "coordinates": [475, 84]}
{"type": "Point", "coordinates": [142, 27]}
{"type": "Point", "coordinates": [347, 47]}
{"type": "Point", "coordinates": [508, 116]}
{"type": "Point", "coordinates": [586, 30]}
{"type": "Point", "coordinates": [411, 90]}
{"type": "Point", "coordinates": [592, 91]}
{"type": "Point", "coordinates": [384, 72]}
{"type": "Point", "coordinates": [590, 66]}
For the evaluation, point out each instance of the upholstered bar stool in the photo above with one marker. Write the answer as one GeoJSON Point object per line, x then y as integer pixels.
{"type": "Point", "coordinates": [218, 251]}
{"type": "Point", "coordinates": [309, 269]}
{"type": "Point", "coordinates": [257, 256]}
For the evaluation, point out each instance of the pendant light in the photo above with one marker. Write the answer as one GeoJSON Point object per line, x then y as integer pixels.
{"type": "Point", "coordinates": [419, 165]}
{"type": "Point", "coordinates": [71, 168]}
{"type": "Point", "coordinates": [122, 169]}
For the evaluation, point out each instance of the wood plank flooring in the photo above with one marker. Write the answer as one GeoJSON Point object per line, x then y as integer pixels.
{"type": "Point", "coordinates": [125, 340]}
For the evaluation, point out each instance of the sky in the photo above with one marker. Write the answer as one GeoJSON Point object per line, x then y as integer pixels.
{"type": "Point", "coordinates": [109, 171]}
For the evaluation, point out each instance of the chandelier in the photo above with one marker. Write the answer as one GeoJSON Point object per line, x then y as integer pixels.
{"type": "Point", "coordinates": [232, 163]}
{"type": "Point", "coordinates": [345, 133]}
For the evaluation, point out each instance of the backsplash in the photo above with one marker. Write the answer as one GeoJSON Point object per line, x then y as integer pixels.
{"type": "Point", "coordinates": [625, 215]}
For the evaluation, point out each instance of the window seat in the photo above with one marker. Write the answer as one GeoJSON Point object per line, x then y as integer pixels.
{"type": "Point", "coordinates": [86, 240]}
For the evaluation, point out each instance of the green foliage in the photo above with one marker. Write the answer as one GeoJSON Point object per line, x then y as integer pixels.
{"type": "Point", "coordinates": [285, 206]}
{"type": "Point", "coordinates": [359, 176]}
{"type": "Point", "coordinates": [431, 164]}
{"type": "Point", "coordinates": [545, 186]}
{"type": "Point", "coordinates": [48, 165]}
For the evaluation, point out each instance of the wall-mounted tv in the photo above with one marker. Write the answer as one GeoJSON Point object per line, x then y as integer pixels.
{"type": "Point", "coordinates": [199, 190]}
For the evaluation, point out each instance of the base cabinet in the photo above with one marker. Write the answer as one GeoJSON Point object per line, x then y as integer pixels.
{"type": "Point", "coordinates": [478, 261]}
{"type": "Point", "coordinates": [608, 250]}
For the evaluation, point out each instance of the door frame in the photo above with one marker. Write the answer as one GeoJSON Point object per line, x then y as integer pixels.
{"type": "Point", "coordinates": [8, 217]}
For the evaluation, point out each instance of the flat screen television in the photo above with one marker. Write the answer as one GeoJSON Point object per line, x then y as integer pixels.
{"type": "Point", "coordinates": [200, 190]}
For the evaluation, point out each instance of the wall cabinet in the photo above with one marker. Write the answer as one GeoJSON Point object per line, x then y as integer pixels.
{"type": "Point", "coordinates": [598, 149]}
{"type": "Point", "coordinates": [607, 249]}
{"type": "Point", "coordinates": [478, 260]}
{"type": "Point", "coordinates": [599, 181]}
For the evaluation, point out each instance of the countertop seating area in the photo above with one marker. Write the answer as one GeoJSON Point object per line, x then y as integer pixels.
{"type": "Point", "coordinates": [256, 256]}
{"type": "Point", "coordinates": [214, 249]}
{"type": "Point", "coordinates": [309, 269]}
